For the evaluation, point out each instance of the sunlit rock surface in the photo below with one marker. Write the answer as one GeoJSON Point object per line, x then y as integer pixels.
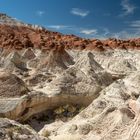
{"type": "Point", "coordinates": [63, 87]}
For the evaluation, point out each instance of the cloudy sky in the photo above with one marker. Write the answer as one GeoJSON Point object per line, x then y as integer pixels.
{"type": "Point", "coordinates": [85, 18]}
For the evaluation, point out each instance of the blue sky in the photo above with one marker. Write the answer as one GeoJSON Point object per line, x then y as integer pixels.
{"type": "Point", "coordinates": [85, 18]}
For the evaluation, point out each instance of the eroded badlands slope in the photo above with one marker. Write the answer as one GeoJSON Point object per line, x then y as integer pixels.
{"type": "Point", "coordinates": [65, 87]}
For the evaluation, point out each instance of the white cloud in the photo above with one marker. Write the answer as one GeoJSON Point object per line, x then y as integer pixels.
{"type": "Point", "coordinates": [132, 31]}
{"type": "Point", "coordinates": [135, 24]}
{"type": "Point", "coordinates": [79, 12]}
{"type": "Point", "coordinates": [122, 35]}
{"type": "Point", "coordinates": [40, 13]}
{"type": "Point", "coordinates": [135, 28]}
{"type": "Point", "coordinates": [106, 31]}
{"type": "Point", "coordinates": [102, 33]}
{"type": "Point", "coordinates": [126, 34]}
{"type": "Point", "coordinates": [89, 31]}
{"type": "Point", "coordinates": [127, 7]}
{"type": "Point", "coordinates": [58, 27]}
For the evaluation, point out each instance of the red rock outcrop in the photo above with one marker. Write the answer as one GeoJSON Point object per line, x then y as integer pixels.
{"type": "Point", "coordinates": [19, 37]}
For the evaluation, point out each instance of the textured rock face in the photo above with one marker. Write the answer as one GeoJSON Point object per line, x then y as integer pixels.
{"type": "Point", "coordinates": [57, 61]}
{"type": "Point", "coordinates": [10, 130]}
{"type": "Point", "coordinates": [11, 85]}
{"type": "Point", "coordinates": [15, 61]}
{"type": "Point", "coordinates": [48, 87]}
{"type": "Point", "coordinates": [47, 98]}
{"type": "Point", "coordinates": [67, 87]}
{"type": "Point", "coordinates": [108, 116]}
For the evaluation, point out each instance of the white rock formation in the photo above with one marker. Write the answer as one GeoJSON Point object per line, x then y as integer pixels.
{"type": "Point", "coordinates": [106, 84]}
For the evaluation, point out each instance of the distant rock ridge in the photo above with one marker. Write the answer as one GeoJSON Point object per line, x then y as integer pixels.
{"type": "Point", "coordinates": [7, 20]}
{"type": "Point", "coordinates": [15, 34]}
